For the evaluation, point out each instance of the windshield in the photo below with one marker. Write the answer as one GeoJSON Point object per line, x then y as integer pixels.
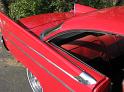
{"type": "Point", "coordinates": [88, 45]}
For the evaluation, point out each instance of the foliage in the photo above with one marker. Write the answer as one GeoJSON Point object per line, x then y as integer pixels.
{"type": "Point", "coordinates": [60, 5]}
{"type": "Point", "coordinates": [2, 6]}
{"type": "Point", "coordinates": [98, 3]}
{"type": "Point", "coordinates": [23, 8]}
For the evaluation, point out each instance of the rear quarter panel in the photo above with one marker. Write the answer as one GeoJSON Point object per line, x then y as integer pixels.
{"type": "Point", "coordinates": [52, 70]}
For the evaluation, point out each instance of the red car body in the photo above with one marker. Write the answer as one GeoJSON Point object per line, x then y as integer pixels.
{"type": "Point", "coordinates": [56, 70]}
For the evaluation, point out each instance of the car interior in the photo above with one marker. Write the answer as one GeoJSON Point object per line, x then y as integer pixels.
{"type": "Point", "coordinates": [102, 51]}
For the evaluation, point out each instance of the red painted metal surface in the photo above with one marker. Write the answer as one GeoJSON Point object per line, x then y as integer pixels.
{"type": "Point", "coordinates": [42, 19]}
{"type": "Point", "coordinates": [39, 23]}
{"type": "Point", "coordinates": [46, 67]}
{"type": "Point", "coordinates": [55, 69]}
{"type": "Point", "coordinates": [106, 20]}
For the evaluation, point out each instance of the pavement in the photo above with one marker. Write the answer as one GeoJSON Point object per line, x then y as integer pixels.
{"type": "Point", "coordinates": [12, 74]}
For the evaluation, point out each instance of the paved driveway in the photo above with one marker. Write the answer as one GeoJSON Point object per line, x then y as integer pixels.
{"type": "Point", "coordinates": [12, 74]}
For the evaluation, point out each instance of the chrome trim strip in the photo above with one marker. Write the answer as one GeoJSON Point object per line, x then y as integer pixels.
{"type": "Point", "coordinates": [43, 57]}
{"type": "Point", "coordinates": [54, 64]}
{"type": "Point", "coordinates": [36, 62]}
{"type": "Point", "coordinates": [88, 78]}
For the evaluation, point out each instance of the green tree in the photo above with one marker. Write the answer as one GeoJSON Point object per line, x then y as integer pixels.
{"type": "Point", "coordinates": [98, 3]}
{"type": "Point", "coordinates": [23, 8]}
{"type": "Point", "coordinates": [2, 6]}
